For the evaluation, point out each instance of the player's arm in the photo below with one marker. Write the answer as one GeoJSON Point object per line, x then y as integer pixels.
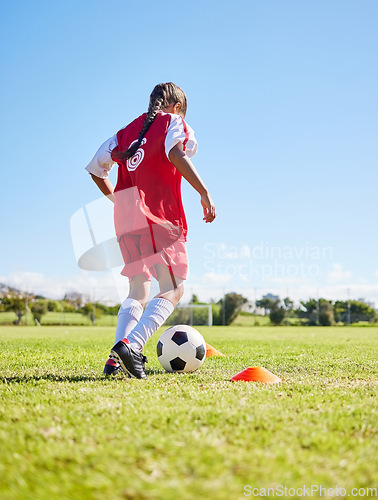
{"type": "Point", "coordinates": [105, 186]}
{"type": "Point", "coordinates": [100, 166]}
{"type": "Point", "coordinates": [186, 168]}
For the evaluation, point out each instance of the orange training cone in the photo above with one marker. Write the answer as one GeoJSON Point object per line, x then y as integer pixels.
{"type": "Point", "coordinates": [257, 374]}
{"type": "Point", "coordinates": [210, 351]}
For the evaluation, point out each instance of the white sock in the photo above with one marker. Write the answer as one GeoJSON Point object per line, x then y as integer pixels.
{"type": "Point", "coordinates": [155, 314]}
{"type": "Point", "coordinates": [129, 314]}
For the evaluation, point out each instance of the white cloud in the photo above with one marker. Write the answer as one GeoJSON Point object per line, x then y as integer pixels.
{"type": "Point", "coordinates": [244, 278]}
{"type": "Point", "coordinates": [338, 273]}
{"type": "Point", "coordinates": [287, 280]}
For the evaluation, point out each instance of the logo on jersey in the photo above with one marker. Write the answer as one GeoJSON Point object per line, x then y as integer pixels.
{"type": "Point", "coordinates": [134, 162]}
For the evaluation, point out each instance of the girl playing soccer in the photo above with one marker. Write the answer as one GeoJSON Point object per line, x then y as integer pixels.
{"type": "Point", "coordinates": [153, 153]}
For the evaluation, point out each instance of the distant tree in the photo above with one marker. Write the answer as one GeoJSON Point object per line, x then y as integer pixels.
{"type": "Point", "coordinates": [53, 306]}
{"type": "Point", "coordinates": [231, 305]}
{"type": "Point", "coordinates": [38, 309]}
{"type": "Point", "coordinates": [217, 313]}
{"type": "Point", "coordinates": [308, 310]}
{"type": "Point", "coordinates": [277, 313]}
{"type": "Point", "coordinates": [341, 311]}
{"type": "Point", "coordinates": [68, 307]}
{"type": "Point", "coordinates": [363, 312]}
{"type": "Point", "coordinates": [92, 311]}
{"type": "Point", "coordinates": [15, 303]}
{"type": "Point", "coordinates": [113, 310]}
{"type": "Point", "coordinates": [194, 299]}
{"type": "Point", "coordinates": [359, 311]}
{"type": "Point", "coordinates": [184, 315]}
{"type": "Point", "coordinates": [288, 305]}
{"type": "Point", "coordinates": [102, 307]}
{"type": "Point", "coordinates": [2, 305]}
{"type": "Point", "coordinates": [267, 304]}
{"type": "Point", "coordinates": [326, 314]}
{"type": "Point", "coordinates": [180, 316]}
{"type": "Point", "coordinates": [317, 312]}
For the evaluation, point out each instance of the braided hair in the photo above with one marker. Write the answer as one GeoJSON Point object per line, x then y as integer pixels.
{"type": "Point", "coordinates": [163, 95]}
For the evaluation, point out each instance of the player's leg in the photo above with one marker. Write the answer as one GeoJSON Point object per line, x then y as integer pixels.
{"type": "Point", "coordinates": [171, 287]}
{"type": "Point", "coordinates": [129, 314]}
{"type": "Point", "coordinates": [125, 352]}
{"type": "Point", "coordinates": [159, 308]}
{"type": "Point", "coordinates": [156, 313]}
{"type": "Point", "coordinates": [131, 309]}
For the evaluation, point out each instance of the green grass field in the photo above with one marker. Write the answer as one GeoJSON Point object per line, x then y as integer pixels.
{"type": "Point", "coordinates": [67, 432]}
{"type": "Point", "coordinates": [58, 319]}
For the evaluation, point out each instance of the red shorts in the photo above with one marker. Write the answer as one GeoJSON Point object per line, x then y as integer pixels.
{"type": "Point", "coordinates": [143, 249]}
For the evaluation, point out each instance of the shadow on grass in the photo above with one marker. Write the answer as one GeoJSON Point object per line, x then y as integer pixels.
{"type": "Point", "coordinates": [51, 377]}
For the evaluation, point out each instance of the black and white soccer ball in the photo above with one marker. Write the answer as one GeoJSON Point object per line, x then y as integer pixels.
{"type": "Point", "coordinates": [181, 349]}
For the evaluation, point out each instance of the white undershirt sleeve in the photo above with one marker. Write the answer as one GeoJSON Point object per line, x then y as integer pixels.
{"type": "Point", "coordinates": [102, 163]}
{"type": "Point", "coordinates": [180, 132]}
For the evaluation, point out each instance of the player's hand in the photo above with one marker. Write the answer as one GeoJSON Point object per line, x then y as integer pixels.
{"type": "Point", "coordinates": [208, 208]}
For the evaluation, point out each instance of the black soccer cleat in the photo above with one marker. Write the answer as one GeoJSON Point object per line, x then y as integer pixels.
{"type": "Point", "coordinates": [112, 369]}
{"type": "Point", "coordinates": [130, 360]}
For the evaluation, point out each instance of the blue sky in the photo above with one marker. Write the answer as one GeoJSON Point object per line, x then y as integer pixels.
{"type": "Point", "coordinates": [282, 96]}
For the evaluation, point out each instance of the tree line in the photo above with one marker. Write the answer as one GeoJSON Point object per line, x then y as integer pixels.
{"type": "Point", "coordinates": [320, 312]}
{"type": "Point", "coordinates": [39, 306]}
{"type": "Point", "coordinates": [312, 312]}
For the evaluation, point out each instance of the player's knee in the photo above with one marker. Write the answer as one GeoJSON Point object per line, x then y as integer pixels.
{"type": "Point", "coordinates": [173, 295]}
{"type": "Point", "coordinates": [176, 294]}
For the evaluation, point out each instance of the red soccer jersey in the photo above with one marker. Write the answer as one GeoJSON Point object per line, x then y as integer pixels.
{"type": "Point", "coordinates": [152, 179]}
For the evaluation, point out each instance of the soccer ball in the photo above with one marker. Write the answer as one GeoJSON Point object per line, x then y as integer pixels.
{"type": "Point", "coordinates": [181, 349]}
